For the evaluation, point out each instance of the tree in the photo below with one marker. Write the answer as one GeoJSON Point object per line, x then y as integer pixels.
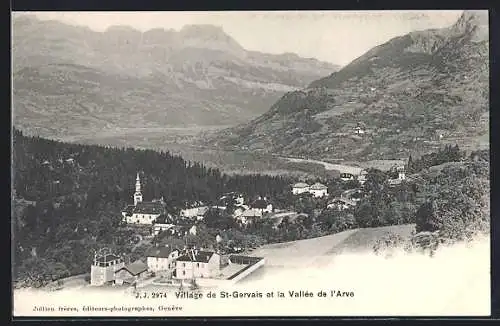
{"type": "Point", "coordinates": [425, 217]}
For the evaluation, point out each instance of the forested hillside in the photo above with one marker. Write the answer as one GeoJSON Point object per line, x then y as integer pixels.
{"type": "Point", "coordinates": [67, 198]}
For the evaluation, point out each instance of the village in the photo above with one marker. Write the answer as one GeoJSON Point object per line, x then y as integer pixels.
{"type": "Point", "coordinates": [192, 267]}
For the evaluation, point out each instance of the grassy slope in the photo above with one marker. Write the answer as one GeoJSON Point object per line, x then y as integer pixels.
{"type": "Point", "coordinates": [320, 251]}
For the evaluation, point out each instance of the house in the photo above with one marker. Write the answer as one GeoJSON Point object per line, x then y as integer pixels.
{"type": "Point", "coordinates": [250, 215]}
{"type": "Point", "coordinates": [162, 259]}
{"type": "Point", "coordinates": [162, 223]}
{"type": "Point", "coordinates": [359, 130]}
{"type": "Point", "coordinates": [141, 212]}
{"type": "Point", "coordinates": [394, 182]}
{"type": "Point", "coordinates": [238, 211]}
{"type": "Point", "coordinates": [341, 203]}
{"type": "Point", "coordinates": [130, 273]}
{"type": "Point", "coordinates": [318, 190]}
{"type": "Point", "coordinates": [397, 174]}
{"type": "Point", "coordinates": [104, 266]}
{"type": "Point", "coordinates": [197, 264]}
{"type": "Point", "coordinates": [160, 227]}
{"type": "Point", "coordinates": [231, 198]}
{"type": "Point", "coordinates": [401, 172]}
{"type": "Point", "coordinates": [362, 177]}
{"type": "Point", "coordinates": [263, 205]}
{"type": "Point", "coordinates": [300, 188]}
{"type": "Point", "coordinates": [354, 195]}
{"type": "Point", "coordinates": [193, 212]}
{"type": "Point", "coordinates": [346, 176]}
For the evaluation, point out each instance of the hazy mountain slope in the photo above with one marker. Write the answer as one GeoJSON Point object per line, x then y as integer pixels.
{"type": "Point", "coordinates": [412, 94]}
{"type": "Point", "coordinates": [68, 77]}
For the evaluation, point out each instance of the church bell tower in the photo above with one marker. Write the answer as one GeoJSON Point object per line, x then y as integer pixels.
{"type": "Point", "coordinates": [138, 193]}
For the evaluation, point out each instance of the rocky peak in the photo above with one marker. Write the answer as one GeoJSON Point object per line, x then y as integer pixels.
{"type": "Point", "coordinates": [473, 22]}
{"type": "Point", "coordinates": [210, 37]}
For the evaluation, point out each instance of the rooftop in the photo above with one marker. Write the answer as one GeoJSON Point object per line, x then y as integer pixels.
{"type": "Point", "coordinates": [135, 268]}
{"type": "Point", "coordinates": [343, 200]}
{"type": "Point", "coordinates": [199, 256]}
{"type": "Point", "coordinates": [318, 186]}
{"type": "Point", "coordinates": [149, 208]}
{"type": "Point", "coordinates": [301, 185]}
{"type": "Point", "coordinates": [252, 212]}
{"type": "Point", "coordinates": [260, 203]}
{"type": "Point", "coordinates": [107, 258]}
{"type": "Point", "coordinates": [160, 252]}
{"type": "Point", "coordinates": [129, 209]}
{"type": "Point", "coordinates": [164, 219]}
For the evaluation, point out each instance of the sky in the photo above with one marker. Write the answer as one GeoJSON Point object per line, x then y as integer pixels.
{"type": "Point", "coordinates": [333, 36]}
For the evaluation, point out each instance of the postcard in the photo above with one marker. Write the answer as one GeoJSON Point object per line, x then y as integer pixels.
{"type": "Point", "coordinates": [282, 163]}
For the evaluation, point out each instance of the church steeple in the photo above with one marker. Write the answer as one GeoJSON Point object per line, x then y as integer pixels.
{"type": "Point", "coordinates": [138, 193]}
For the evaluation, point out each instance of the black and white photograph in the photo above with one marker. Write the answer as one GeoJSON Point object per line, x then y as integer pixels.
{"type": "Point", "coordinates": [250, 163]}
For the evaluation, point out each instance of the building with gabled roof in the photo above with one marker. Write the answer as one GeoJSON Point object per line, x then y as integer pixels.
{"type": "Point", "coordinates": [300, 188]}
{"type": "Point", "coordinates": [341, 203]}
{"type": "Point", "coordinates": [318, 190]}
{"type": "Point", "coordinates": [197, 264]}
{"type": "Point", "coordinates": [162, 259]}
{"type": "Point", "coordinates": [130, 273]}
{"type": "Point", "coordinates": [142, 212]}
{"type": "Point", "coordinates": [262, 204]}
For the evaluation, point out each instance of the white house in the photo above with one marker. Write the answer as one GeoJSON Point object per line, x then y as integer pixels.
{"type": "Point", "coordinates": [144, 213]}
{"type": "Point", "coordinates": [161, 227]}
{"type": "Point", "coordinates": [197, 264]}
{"type": "Point", "coordinates": [250, 215]}
{"type": "Point", "coordinates": [300, 188]}
{"type": "Point", "coordinates": [401, 172]}
{"type": "Point", "coordinates": [162, 259]}
{"type": "Point", "coordinates": [341, 203]}
{"type": "Point", "coordinates": [193, 212]}
{"type": "Point", "coordinates": [318, 190]}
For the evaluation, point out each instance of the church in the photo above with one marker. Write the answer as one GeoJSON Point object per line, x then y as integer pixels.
{"type": "Point", "coordinates": [142, 212]}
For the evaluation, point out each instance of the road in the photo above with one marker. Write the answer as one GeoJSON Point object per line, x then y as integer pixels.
{"type": "Point", "coordinates": [342, 168]}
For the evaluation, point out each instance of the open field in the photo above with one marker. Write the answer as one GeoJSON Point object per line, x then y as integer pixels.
{"type": "Point", "coordinates": [180, 141]}
{"type": "Point", "coordinates": [317, 251]}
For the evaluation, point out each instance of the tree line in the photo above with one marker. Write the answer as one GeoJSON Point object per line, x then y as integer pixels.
{"type": "Point", "coordinates": [68, 198]}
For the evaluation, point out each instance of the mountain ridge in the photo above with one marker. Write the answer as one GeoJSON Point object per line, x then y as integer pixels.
{"type": "Point", "coordinates": [413, 93]}
{"type": "Point", "coordinates": [177, 78]}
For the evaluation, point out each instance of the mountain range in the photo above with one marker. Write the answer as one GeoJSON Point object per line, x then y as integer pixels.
{"type": "Point", "coordinates": [71, 79]}
{"type": "Point", "coordinates": [409, 95]}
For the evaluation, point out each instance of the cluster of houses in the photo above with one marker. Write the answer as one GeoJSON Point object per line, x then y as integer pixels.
{"type": "Point", "coordinates": [169, 263]}
{"type": "Point", "coordinates": [351, 197]}
{"type": "Point", "coordinates": [154, 213]}
{"type": "Point", "coordinates": [108, 268]}
{"type": "Point", "coordinates": [192, 263]}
